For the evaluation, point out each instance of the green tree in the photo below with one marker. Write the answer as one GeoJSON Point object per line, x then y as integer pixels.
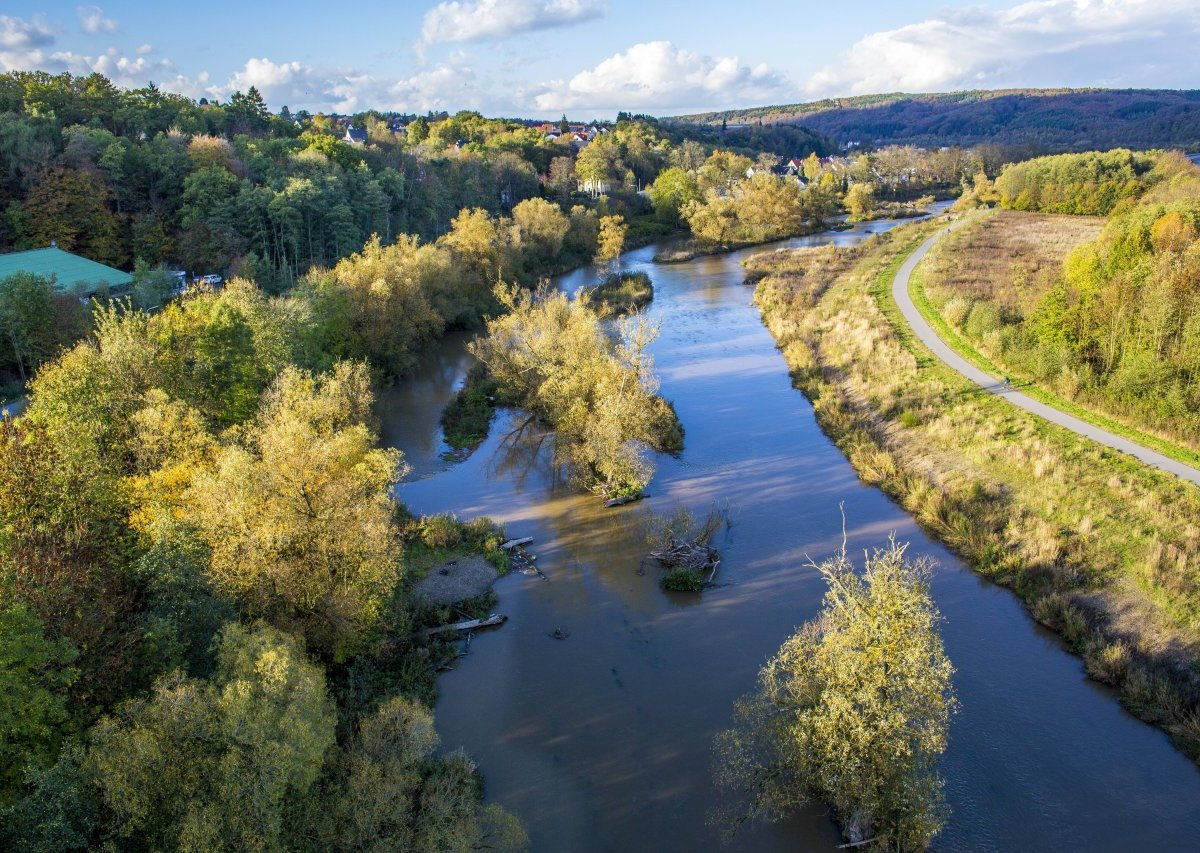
{"type": "Point", "coordinates": [70, 207]}
{"type": "Point", "coordinates": [204, 765]}
{"type": "Point", "coordinates": [34, 675]}
{"type": "Point", "coordinates": [671, 191]}
{"type": "Point", "coordinates": [853, 710]}
{"type": "Point", "coordinates": [27, 321]}
{"type": "Point", "coordinates": [398, 794]}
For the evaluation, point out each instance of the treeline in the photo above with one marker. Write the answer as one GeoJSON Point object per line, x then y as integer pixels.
{"type": "Point", "coordinates": [1030, 121]}
{"type": "Point", "coordinates": [1119, 329]}
{"type": "Point", "coordinates": [120, 175]}
{"type": "Point", "coordinates": [1089, 184]}
{"type": "Point", "coordinates": [728, 199]}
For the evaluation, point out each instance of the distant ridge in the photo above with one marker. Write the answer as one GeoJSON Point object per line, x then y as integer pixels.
{"type": "Point", "coordinates": [1046, 119]}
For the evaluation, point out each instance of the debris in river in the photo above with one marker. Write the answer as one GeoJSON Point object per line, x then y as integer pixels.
{"type": "Point", "coordinates": [560, 634]}
{"type": "Point", "coordinates": [468, 625]}
{"type": "Point", "coordinates": [516, 543]}
{"type": "Point", "coordinates": [623, 500]}
{"type": "Point", "coordinates": [683, 546]}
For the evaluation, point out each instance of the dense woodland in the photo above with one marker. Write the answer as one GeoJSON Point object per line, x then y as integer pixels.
{"type": "Point", "coordinates": [1029, 121]}
{"type": "Point", "coordinates": [1118, 326]}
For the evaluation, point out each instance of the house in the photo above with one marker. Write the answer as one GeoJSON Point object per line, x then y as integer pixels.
{"type": "Point", "coordinates": [73, 274]}
{"type": "Point", "coordinates": [355, 136]}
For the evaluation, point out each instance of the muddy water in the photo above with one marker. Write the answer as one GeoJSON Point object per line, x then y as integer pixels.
{"type": "Point", "coordinates": [601, 741]}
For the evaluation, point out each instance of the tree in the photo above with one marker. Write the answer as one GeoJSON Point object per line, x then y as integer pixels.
{"type": "Point", "coordinates": [27, 320]}
{"type": "Point", "coordinates": [853, 710]}
{"type": "Point", "coordinates": [417, 131]}
{"type": "Point", "coordinates": [70, 207]}
{"type": "Point", "coordinates": [671, 190]}
{"type": "Point", "coordinates": [34, 674]}
{"type": "Point", "coordinates": [611, 241]}
{"type": "Point", "coordinates": [563, 125]}
{"type": "Point", "coordinates": [203, 765]}
{"type": "Point", "coordinates": [552, 354]}
{"type": "Point", "coordinates": [860, 201]}
{"type": "Point", "coordinates": [298, 515]}
{"type": "Point", "coordinates": [398, 794]}
{"type": "Point", "coordinates": [540, 228]}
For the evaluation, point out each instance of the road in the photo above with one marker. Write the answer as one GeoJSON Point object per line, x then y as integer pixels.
{"type": "Point", "coordinates": [989, 383]}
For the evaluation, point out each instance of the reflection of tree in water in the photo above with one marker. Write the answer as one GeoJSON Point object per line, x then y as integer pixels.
{"type": "Point", "coordinates": [527, 451]}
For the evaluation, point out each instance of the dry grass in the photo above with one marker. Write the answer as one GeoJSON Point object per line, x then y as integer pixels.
{"type": "Point", "coordinates": [1009, 258]}
{"type": "Point", "coordinates": [1101, 548]}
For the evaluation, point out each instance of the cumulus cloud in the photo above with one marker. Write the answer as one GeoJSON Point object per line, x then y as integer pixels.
{"type": "Point", "coordinates": [471, 20]}
{"type": "Point", "coordinates": [979, 47]}
{"type": "Point", "coordinates": [93, 21]}
{"type": "Point", "coordinates": [23, 43]}
{"type": "Point", "coordinates": [659, 76]}
{"type": "Point", "coordinates": [348, 90]}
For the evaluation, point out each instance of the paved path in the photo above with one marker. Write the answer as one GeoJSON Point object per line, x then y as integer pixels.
{"type": "Point", "coordinates": [989, 383]}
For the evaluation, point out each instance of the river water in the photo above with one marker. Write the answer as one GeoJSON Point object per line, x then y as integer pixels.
{"type": "Point", "coordinates": [602, 741]}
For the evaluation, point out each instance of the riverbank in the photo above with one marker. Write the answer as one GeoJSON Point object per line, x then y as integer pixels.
{"type": "Point", "coordinates": [1099, 547]}
{"type": "Point", "coordinates": [690, 249]}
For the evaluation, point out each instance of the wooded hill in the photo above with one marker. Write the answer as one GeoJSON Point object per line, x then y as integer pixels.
{"type": "Point", "coordinates": [1044, 119]}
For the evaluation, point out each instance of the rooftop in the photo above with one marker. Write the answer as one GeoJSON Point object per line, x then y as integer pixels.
{"type": "Point", "coordinates": [72, 274]}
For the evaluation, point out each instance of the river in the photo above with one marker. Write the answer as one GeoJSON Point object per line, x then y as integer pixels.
{"type": "Point", "coordinates": [602, 741]}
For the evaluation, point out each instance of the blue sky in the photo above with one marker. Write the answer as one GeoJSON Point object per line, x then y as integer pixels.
{"type": "Point", "coordinates": [589, 58]}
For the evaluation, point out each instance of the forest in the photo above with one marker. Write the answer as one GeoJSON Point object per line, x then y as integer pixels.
{"type": "Point", "coordinates": [1028, 121]}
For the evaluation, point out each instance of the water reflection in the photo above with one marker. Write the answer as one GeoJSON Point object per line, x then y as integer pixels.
{"type": "Point", "coordinates": [601, 741]}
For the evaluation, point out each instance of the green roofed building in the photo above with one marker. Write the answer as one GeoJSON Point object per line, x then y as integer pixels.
{"type": "Point", "coordinates": [73, 275]}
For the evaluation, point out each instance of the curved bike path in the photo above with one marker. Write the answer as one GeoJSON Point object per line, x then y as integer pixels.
{"type": "Point", "coordinates": [939, 348]}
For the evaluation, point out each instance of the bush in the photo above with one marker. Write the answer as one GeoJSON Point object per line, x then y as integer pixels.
{"type": "Point", "coordinates": [682, 580]}
{"type": "Point", "coordinates": [441, 531]}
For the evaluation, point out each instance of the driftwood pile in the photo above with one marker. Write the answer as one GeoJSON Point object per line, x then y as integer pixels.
{"type": "Point", "coordinates": [521, 560]}
{"type": "Point", "coordinates": [696, 555]}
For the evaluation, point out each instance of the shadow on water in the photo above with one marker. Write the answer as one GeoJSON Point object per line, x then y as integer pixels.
{"type": "Point", "coordinates": [602, 740]}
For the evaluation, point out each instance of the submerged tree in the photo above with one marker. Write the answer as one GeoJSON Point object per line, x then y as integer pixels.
{"type": "Point", "coordinates": [853, 710]}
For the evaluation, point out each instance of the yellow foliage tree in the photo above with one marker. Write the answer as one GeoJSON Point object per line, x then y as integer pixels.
{"type": "Point", "coordinates": [297, 514]}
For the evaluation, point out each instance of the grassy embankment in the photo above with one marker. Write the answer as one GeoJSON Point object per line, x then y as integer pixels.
{"type": "Point", "coordinates": [1101, 548]}
{"type": "Point", "coordinates": [1009, 260]}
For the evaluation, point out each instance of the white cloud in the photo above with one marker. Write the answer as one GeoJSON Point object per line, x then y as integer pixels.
{"type": "Point", "coordinates": [22, 43]}
{"type": "Point", "coordinates": [143, 49]}
{"type": "Point", "coordinates": [976, 47]}
{"type": "Point", "coordinates": [659, 76]}
{"type": "Point", "coordinates": [483, 19]}
{"type": "Point", "coordinates": [93, 21]}
{"type": "Point", "coordinates": [348, 90]}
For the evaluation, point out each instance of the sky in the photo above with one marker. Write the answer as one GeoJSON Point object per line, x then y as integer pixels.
{"type": "Point", "coordinates": [591, 58]}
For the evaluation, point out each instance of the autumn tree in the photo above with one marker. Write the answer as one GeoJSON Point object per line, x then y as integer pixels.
{"type": "Point", "coordinates": [70, 207]}
{"type": "Point", "coordinates": [611, 241]}
{"type": "Point", "coordinates": [860, 201]}
{"type": "Point", "coordinates": [552, 355]}
{"type": "Point", "coordinates": [853, 710]}
{"type": "Point", "coordinates": [298, 514]}
{"type": "Point", "coordinates": [394, 792]}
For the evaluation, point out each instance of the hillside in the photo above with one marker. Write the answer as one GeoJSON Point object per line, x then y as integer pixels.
{"type": "Point", "coordinates": [1046, 119]}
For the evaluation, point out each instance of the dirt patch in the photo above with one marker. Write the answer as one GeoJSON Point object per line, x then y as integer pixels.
{"type": "Point", "coordinates": [457, 580]}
